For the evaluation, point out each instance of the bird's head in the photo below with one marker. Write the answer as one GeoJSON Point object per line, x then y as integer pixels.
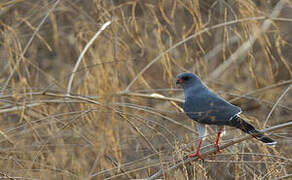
{"type": "Point", "coordinates": [187, 80]}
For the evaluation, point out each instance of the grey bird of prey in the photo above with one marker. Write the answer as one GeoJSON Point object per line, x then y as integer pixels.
{"type": "Point", "coordinates": [206, 107]}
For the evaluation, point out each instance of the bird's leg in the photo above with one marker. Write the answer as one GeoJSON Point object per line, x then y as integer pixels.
{"type": "Point", "coordinates": [216, 146]}
{"type": "Point", "coordinates": [201, 131]}
{"type": "Point", "coordinates": [197, 151]}
{"type": "Point", "coordinates": [217, 140]}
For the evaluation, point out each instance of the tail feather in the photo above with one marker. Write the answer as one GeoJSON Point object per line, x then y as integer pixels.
{"type": "Point", "coordinates": [247, 128]}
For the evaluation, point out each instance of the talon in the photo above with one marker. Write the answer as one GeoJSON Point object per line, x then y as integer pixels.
{"type": "Point", "coordinates": [217, 150]}
{"type": "Point", "coordinates": [191, 155]}
{"type": "Point", "coordinates": [194, 155]}
{"type": "Point", "coordinates": [197, 152]}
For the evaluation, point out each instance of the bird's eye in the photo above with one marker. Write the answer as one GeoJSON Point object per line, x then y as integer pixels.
{"type": "Point", "coordinates": [185, 78]}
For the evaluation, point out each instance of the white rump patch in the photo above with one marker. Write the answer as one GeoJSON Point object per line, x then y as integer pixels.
{"type": "Point", "coordinates": [271, 144]}
{"type": "Point", "coordinates": [235, 115]}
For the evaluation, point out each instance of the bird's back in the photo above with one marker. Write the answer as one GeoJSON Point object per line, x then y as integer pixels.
{"type": "Point", "coordinates": [204, 106]}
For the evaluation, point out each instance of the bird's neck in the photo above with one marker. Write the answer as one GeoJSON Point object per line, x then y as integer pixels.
{"type": "Point", "coordinates": [190, 91]}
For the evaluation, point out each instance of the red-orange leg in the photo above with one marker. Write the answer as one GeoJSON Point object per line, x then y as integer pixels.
{"type": "Point", "coordinates": [197, 151]}
{"type": "Point", "coordinates": [217, 140]}
{"type": "Point", "coordinates": [216, 143]}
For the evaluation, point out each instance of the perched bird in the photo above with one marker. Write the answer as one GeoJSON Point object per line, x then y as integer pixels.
{"type": "Point", "coordinates": [206, 107]}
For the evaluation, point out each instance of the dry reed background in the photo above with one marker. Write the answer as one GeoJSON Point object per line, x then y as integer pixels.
{"type": "Point", "coordinates": [100, 130]}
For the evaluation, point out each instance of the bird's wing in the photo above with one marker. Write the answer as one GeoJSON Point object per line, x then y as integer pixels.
{"type": "Point", "coordinates": [221, 105]}
{"type": "Point", "coordinates": [207, 107]}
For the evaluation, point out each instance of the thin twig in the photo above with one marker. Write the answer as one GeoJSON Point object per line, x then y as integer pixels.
{"type": "Point", "coordinates": [71, 96]}
{"type": "Point", "coordinates": [5, 176]}
{"type": "Point", "coordinates": [151, 96]}
{"type": "Point", "coordinates": [140, 133]}
{"type": "Point", "coordinates": [197, 34]}
{"type": "Point", "coordinates": [27, 46]}
{"type": "Point", "coordinates": [69, 85]}
{"type": "Point", "coordinates": [275, 105]}
{"type": "Point", "coordinates": [116, 165]}
{"type": "Point", "coordinates": [181, 163]}
{"type": "Point", "coordinates": [127, 165]}
{"type": "Point", "coordinates": [164, 117]}
{"type": "Point", "coordinates": [19, 108]}
{"type": "Point", "coordinates": [263, 89]}
{"type": "Point", "coordinates": [283, 177]}
{"type": "Point", "coordinates": [241, 52]}
{"type": "Point", "coordinates": [187, 39]}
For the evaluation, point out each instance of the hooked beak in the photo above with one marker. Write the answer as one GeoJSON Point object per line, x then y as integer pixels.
{"type": "Point", "coordinates": [179, 81]}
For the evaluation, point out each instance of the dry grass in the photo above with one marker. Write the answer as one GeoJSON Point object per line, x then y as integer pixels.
{"type": "Point", "coordinates": [111, 125]}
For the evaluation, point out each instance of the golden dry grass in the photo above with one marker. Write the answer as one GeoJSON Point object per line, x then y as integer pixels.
{"type": "Point", "coordinates": [111, 125]}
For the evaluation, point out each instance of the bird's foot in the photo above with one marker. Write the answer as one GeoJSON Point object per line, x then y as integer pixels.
{"type": "Point", "coordinates": [216, 146]}
{"type": "Point", "coordinates": [194, 155]}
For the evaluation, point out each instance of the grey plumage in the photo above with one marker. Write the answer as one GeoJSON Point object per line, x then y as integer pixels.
{"type": "Point", "coordinates": [203, 105]}
{"type": "Point", "coordinates": [206, 107]}
{"type": "Point", "coordinates": [247, 128]}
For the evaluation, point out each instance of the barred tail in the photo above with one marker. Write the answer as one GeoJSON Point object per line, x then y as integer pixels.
{"type": "Point", "coordinates": [247, 128]}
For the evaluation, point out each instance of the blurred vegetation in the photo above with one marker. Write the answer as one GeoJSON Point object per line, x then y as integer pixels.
{"type": "Point", "coordinates": [100, 130]}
